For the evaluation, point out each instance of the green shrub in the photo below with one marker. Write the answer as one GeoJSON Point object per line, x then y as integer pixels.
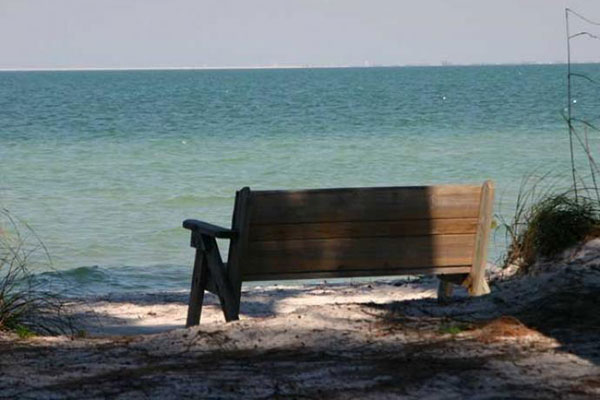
{"type": "Point", "coordinates": [558, 223]}
{"type": "Point", "coordinates": [548, 225]}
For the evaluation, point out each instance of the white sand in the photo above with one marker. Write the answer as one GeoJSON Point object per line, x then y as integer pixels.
{"type": "Point", "coordinates": [131, 314]}
{"type": "Point", "coordinates": [533, 337]}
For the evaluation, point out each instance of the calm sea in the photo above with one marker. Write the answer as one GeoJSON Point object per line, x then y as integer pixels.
{"type": "Point", "coordinates": [105, 165]}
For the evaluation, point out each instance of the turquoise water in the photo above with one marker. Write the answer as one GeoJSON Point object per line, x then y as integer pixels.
{"type": "Point", "coordinates": [105, 165]}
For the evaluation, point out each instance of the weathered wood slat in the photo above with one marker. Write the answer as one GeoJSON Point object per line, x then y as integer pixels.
{"type": "Point", "coordinates": [328, 230]}
{"type": "Point", "coordinates": [365, 204]}
{"type": "Point", "coordinates": [479, 284]}
{"type": "Point", "coordinates": [351, 254]}
{"type": "Point", "coordinates": [358, 273]}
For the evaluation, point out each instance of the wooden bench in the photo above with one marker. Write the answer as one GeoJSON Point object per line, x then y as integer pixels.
{"type": "Point", "coordinates": [350, 232]}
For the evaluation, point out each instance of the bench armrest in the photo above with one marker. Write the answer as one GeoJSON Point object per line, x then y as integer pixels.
{"type": "Point", "coordinates": [208, 229]}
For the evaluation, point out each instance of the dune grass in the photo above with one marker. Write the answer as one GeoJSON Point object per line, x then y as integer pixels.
{"type": "Point", "coordinates": [547, 221]}
{"type": "Point", "coordinates": [26, 306]}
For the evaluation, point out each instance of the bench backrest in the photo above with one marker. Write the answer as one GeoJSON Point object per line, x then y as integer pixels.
{"type": "Point", "coordinates": [360, 231]}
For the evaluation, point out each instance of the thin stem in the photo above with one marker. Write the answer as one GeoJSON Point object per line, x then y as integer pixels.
{"type": "Point", "coordinates": [591, 162]}
{"type": "Point", "coordinates": [569, 106]}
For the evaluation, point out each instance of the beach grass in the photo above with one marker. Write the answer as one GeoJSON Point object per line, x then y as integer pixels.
{"type": "Point", "coordinates": [27, 307]}
{"type": "Point", "coordinates": [547, 221]}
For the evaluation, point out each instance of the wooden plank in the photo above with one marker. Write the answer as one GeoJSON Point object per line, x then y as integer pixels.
{"type": "Point", "coordinates": [363, 253]}
{"type": "Point", "coordinates": [199, 280]}
{"type": "Point", "coordinates": [478, 285]}
{"type": "Point", "coordinates": [237, 246]}
{"type": "Point", "coordinates": [329, 230]}
{"type": "Point", "coordinates": [357, 273]}
{"type": "Point", "coordinates": [365, 204]}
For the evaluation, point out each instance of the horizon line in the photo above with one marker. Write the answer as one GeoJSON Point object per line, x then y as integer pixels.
{"type": "Point", "coordinates": [262, 67]}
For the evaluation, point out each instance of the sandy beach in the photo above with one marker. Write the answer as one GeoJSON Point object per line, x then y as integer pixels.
{"type": "Point", "coordinates": [535, 336]}
{"type": "Point", "coordinates": [152, 151]}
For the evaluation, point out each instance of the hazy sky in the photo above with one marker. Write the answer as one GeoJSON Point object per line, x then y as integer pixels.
{"type": "Point", "coordinates": [185, 33]}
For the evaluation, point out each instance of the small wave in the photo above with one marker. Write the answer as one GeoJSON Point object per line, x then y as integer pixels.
{"type": "Point", "coordinates": [102, 280]}
{"type": "Point", "coordinates": [196, 201]}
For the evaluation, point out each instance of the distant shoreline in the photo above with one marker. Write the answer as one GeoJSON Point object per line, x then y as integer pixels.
{"type": "Point", "coordinates": [276, 67]}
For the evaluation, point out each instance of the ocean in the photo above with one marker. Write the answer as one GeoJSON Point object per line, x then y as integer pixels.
{"type": "Point", "coordinates": [105, 165]}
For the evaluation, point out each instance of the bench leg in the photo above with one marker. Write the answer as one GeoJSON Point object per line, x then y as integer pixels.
{"type": "Point", "coordinates": [199, 281]}
{"type": "Point", "coordinates": [479, 286]}
{"type": "Point", "coordinates": [446, 286]}
{"type": "Point", "coordinates": [229, 305]}
{"type": "Point", "coordinates": [476, 283]}
{"type": "Point", "coordinates": [209, 273]}
{"type": "Point", "coordinates": [444, 293]}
